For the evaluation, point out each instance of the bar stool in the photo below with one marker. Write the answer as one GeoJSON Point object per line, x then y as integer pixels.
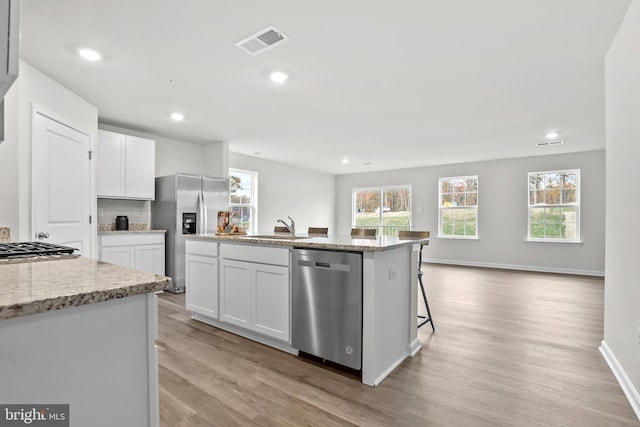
{"type": "Point", "coordinates": [406, 235]}
{"type": "Point", "coordinates": [363, 233]}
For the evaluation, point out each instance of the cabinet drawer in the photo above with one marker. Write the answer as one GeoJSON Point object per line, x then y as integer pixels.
{"type": "Point", "coordinates": [131, 239]}
{"type": "Point", "coordinates": [201, 248]}
{"type": "Point", "coordinates": [260, 254]}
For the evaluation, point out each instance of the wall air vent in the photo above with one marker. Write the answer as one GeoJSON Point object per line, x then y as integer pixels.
{"type": "Point", "coordinates": [544, 144]}
{"type": "Point", "coordinates": [265, 39]}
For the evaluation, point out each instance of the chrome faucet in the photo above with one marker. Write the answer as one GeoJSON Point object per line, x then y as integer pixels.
{"type": "Point", "coordinates": [291, 228]}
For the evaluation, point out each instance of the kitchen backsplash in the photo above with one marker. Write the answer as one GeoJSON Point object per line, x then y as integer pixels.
{"type": "Point", "coordinates": [138, 211]}
{"type": "Point", "coordinates": [5, 234]}
{"type": "Point", "coordinates": [133, 226]}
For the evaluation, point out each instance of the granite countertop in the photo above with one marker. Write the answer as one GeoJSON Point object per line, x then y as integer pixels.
{"type": "Point", "coordinates": [111, 232]}
{"type": "Point", "coordinates": [337, 242]}
{"type": "Point", "coordinates": [47, 285]}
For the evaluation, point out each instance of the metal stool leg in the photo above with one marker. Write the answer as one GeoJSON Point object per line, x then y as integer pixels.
{"type": "Point", "coordinates": [427, 318]}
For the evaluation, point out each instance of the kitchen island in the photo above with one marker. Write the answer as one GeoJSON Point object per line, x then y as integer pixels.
{"type": "Point", "coordinates": [243, 284]}
{"type": "Point", "coordinates": [81, 332]}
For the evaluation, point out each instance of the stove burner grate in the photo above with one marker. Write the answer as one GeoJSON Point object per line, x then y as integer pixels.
{"type": "Point", "coordinates": [31, 249]}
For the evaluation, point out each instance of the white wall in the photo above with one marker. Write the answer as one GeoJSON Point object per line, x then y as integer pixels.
{"type": "Point", "coordinates": [9, 164]}
{"type": "Point", "coordinates": [622, 282]}
{"type": "Point", "coordinates": [34, 88]}
{"type": "Point", "coordinates": [284, 190]}
{"type": "Point", "coordinates": [502, 212]}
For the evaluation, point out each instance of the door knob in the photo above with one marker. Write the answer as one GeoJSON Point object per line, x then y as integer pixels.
{"type": "Point", "coordinates": [42, 235]}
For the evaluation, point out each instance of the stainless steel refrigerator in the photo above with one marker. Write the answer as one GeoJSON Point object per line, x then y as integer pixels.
{"type": "Point", "coordinates": [186, 204]}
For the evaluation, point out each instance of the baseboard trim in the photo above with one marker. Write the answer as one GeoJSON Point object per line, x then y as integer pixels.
{"type": "Point", "coordinates": [415, 347]}
{"type": "Point", "coordinates": [625, 383]}
{"type": "Point", "coordinates": [574, 271]}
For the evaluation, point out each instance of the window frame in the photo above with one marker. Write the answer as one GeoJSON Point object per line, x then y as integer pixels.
{"type": "Point", "coordinates": [381, 189]}
{"type": "Point", "coordinates": [253, 207]}
{"type": "Point", "coordinates": [440, 207]}
{"type": "Point", "coordinates": [577, 206]}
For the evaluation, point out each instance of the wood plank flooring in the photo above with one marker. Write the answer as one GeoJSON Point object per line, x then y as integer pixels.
{"type": "Point", "coordinates": [510, 349]}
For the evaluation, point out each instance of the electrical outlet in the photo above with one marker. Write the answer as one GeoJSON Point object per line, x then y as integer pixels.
{"type": "Point", "coordinates": [393, 273]}
{"type": "Point", "coordinates": [101, 212]}
{"type": "Point", "coordinates": [638, 335]}
{"type": "Point", "coordinates": [136, 212]}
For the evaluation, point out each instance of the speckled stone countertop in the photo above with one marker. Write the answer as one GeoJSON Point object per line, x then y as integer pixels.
{"type": "Point", "coordinates": [112, 232]}
{"type": "Point", "coordinates": [337, 242]}
{"type": "Point", "coordinates": [36, 287]}
{"type": "Point", "coordinates": [5, 234]}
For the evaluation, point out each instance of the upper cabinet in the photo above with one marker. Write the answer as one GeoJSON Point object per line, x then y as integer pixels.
{"type": "Point", "coordinates": [126, 166]}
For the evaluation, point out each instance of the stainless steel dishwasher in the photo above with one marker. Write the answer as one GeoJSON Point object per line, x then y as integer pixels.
{"type": "Point", "coordinates": [326, 305]}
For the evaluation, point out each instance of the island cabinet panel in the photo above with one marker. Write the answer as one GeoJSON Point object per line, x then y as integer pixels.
{"type": "Point", "coordinates": [235, 292]}
{"type": "Point", "coordinates": [271, 301]}
{"type": "Point", "coordinates": [202, 284]}
{"type": "Point", "coordinates": [255, 289]}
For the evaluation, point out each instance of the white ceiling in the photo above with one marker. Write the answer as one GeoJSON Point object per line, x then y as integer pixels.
{"type": "Point", "coordinates": [397, 84]}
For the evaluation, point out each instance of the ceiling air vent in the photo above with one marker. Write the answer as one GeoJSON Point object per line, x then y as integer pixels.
{"type": "Point", "coordinates": [262, 40]}
{"type": "Point", "coordinates": [544, 144]}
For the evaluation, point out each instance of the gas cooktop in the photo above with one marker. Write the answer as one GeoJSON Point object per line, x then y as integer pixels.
{"type": "Point", "coordinates": [32, 249]}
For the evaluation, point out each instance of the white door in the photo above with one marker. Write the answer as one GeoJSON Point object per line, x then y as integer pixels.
{"type": "Point", "coordinates": [60, 184]}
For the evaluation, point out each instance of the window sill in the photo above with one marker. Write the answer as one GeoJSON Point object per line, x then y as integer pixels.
{"type": "Point", "coordinates": [459, 237]}
{"type": "Point", "coordinates": [562, 242]}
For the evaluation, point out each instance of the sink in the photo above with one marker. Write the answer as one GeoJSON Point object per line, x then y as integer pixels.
{"type": "Point", "coordinates": [277, 236]}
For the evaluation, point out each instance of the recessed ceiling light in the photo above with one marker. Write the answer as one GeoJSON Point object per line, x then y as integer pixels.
{"type": "Point", "coordinates": [89, 54]}
{"type": "Point", "coordinates": [552, 135]}
{"type": "Point", "coordinates": [278, 77]}
{"type": "Point", "coordinates": [178, 117]}
{"type": "Point", "coordinates": [345, 161]}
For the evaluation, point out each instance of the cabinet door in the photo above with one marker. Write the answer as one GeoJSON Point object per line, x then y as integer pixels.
{"type": "Point", "coordinates": [119, 255]}
{"type": "Point", "coordinates": [111, 161]}
{"type": "Point", "coordinates": [140, 168]}
{"type": "Point", "coordinates": [150, 258]}
{"type": "Point", "coordinates": [271, 300]}
{"type": "Point", "coordinates": [235, 292]}
{"type": "Point", "coordinates": [202, 285]}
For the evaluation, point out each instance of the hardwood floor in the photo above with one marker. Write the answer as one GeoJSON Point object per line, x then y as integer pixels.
{"type": "Point", "coordinates": [510, 349]}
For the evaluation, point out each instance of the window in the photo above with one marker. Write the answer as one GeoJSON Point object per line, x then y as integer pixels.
{"type": "Point", "coordinates": [243, 197]}
{"type": "Point", "coordinates": [387, 209]}
{"type": "Point", "coordinates": [554, 205]}
{"type": "Point", "coordinates": [458, 207]}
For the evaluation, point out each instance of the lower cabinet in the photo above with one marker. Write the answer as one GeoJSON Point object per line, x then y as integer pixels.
{"type": "Point", "coordinates": [201, 273]}
{"type": "Point", "coordinates": [255, 295]}
{"type": "Point", "coordinates": [139, 251]}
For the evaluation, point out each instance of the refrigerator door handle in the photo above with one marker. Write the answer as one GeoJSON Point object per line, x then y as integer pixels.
{"type": "Point", "coordinates": [205, 211]}
{"type": "Point", "coordinates": [200, 227]}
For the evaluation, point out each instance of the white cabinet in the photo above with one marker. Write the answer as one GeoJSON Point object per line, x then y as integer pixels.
{"type": "Point", "coordinates": [235, 292]}
{"type": "Point", "coordinates": [119, 255]}
{"type": "Point", "coordinates": [140, 251]}
{"type": "Point", "coordinates": [271, 300]}
{"type": "Point", "coordinates": [201, 272]}
{"type": "Point", "coordinates": [126, 166]}
{"type": "Point", "coordinates": [254, 289]}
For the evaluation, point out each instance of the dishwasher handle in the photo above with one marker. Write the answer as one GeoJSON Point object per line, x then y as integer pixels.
{"type": "Point", "coordinates": [324, 265]}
